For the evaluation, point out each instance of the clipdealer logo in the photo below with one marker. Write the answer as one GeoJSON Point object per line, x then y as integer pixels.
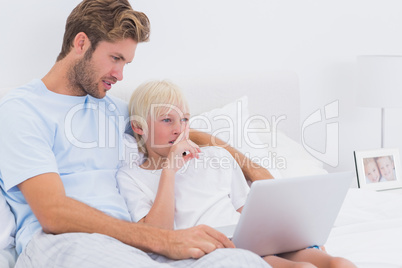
{"type": "Point", "coordinates": [331, 154]}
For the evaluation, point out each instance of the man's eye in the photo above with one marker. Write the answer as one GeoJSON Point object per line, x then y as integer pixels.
{"type": "Point", "coordinates": [115, 58]}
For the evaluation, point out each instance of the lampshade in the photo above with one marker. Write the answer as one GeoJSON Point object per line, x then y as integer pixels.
{"type": "Point", "coordinates": [379, 81]}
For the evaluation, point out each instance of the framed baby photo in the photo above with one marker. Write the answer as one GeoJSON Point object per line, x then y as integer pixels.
{"type": "Point", "coordinates": [378, 169]}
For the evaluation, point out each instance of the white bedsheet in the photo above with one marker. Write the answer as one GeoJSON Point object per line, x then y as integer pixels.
{"type": "Point", "coordinates": [368, 230]}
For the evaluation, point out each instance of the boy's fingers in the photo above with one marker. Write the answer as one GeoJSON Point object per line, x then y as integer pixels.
{"type": "Point", "coordinates": [194, 145]}
{"type": "Point", "coordinates": [191, 148]}
{"type": "Point", "coordinates": [179, 138]}
{"type": "Point", "coordinates": [187, 131]}
{"type": "Point", "coordinates": [195, 149]}
{"type": "Point", "coordinates": [183, 135]}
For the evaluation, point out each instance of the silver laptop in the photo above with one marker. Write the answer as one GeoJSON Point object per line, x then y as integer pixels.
{"type": "Point", "coordinates": [285, 215]}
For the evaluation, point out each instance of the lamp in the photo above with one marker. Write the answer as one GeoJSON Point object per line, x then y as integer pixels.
{"type": "Point", "coordinates": [379, 83]}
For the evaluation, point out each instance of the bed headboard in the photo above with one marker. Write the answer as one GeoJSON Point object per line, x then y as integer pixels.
{"type": "Point", "coordinates": [274, 93]}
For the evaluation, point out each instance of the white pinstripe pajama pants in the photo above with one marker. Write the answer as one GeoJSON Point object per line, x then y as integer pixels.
{"type": "Point", "coordinates": [96, 250]}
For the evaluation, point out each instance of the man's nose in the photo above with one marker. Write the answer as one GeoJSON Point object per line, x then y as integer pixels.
{"type": "Point", "coordinates": [117, 72]}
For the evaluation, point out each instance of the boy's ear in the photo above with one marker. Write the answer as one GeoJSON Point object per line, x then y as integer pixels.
{"type": "Point", "coordinates": [136, 128]}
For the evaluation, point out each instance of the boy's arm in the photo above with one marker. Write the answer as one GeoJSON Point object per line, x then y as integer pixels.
{"type": "Point", "coordinates": [251, 170]}
{"type": "Point", "coordinates": [59, 214]}
{"type": "Point", "coordinates": [161, 213]}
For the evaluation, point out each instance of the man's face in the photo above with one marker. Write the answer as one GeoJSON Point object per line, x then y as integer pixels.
{"type": "Point", "coordinates": [98, 70]}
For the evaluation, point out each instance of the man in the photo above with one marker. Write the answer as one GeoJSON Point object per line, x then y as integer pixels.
{"type": "Point", "coordinates": [59, 156]}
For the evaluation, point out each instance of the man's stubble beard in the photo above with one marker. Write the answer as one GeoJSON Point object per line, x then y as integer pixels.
{"type": "Point", "coordinates": [82, 77]}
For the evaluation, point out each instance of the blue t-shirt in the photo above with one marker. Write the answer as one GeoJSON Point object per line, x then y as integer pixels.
{"type": "Point", "coordinates": [77, 137]}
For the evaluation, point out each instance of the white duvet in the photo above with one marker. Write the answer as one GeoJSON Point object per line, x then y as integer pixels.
{"type": "Point", "coordinates": [368, 230]}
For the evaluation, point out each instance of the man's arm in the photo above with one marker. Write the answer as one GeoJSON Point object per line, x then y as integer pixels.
{"type": "Point", "coordinates": [58, 214]}
{"type": "Point", "coordinates": [251, 170]}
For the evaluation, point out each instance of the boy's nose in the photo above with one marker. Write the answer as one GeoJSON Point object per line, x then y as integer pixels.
{"type": "Point", "coordinates": [179, 127]}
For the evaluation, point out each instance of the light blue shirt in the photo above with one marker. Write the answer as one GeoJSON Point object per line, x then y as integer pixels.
{"type": "Point", "coordinates": [77, 137]}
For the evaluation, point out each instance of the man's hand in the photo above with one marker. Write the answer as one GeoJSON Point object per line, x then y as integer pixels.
{"type": "Point", "coordinates": [194, 242]}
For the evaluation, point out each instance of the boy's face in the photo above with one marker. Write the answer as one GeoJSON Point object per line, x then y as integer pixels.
{"type": "Point", "coordinates": [386, 167]}
{"type": "Point", "coordinates": [163, 131]}
{"type": "Point", "coordinates": [97, 71]}
{"type": "Point", "coordinates": [372, 172]}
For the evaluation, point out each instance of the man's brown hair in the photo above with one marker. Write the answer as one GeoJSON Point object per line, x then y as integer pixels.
{"type": "Point", "coordinates": [104, 20]}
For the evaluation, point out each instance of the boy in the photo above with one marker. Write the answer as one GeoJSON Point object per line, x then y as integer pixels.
{"type": "Point", "coordinates": [177, 186]}
{"type": "Point", "coordinates": [371, 170]}
{"type": "Point", "coordinates": [386, 167]}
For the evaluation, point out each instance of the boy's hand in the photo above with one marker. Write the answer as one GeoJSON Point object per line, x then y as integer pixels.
{"type": "Point", "coordinates": [183, 150]}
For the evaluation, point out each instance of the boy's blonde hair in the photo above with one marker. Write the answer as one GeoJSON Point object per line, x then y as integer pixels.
{"type": "Point", "coordinates": [368, 160]}
{"type": "Point", "coordinates": [154, 98]}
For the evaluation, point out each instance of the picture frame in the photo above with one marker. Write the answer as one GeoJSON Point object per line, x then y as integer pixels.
{"type": "Point", "coordinates": [378, 169]}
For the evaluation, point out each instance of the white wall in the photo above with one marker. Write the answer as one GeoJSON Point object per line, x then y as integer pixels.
{"type": "Point", "coordinates": [318, 39]}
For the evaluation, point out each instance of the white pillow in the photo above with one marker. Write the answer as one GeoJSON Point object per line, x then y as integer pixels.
{"type": "Point", "coordinates": [292, 160]}
{"type": "Point", "coordinates": [7, 224]}
{"type": "Point", "coordinates": [232, 124]}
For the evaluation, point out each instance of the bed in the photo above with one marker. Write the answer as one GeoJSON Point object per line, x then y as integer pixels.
{"type": "Point", "coordinates": [259, 115]}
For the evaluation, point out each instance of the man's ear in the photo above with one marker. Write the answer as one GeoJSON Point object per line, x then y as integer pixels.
{"type": "Point", "coordinates": [136, 128]}
{"type": "Point", "coordinates": [81, 43]}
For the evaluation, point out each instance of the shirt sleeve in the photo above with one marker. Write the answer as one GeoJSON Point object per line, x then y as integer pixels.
{"type": "Point", "coordinates": [138, 201]}
{"type": "Point", "coordinates": [239, 188]}
{"type": "Point", "coordinates": [26, 144]}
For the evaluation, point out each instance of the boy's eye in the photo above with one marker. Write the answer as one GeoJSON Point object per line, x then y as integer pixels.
{"type": "Point", "coordinates": [184, 119]}
{"type": "Point", "coordinates": [166, 120]}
